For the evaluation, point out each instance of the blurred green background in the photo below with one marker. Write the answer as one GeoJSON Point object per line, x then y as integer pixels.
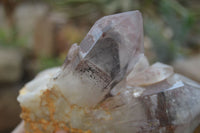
{"type": "Point", "coordinates": [36, 35]}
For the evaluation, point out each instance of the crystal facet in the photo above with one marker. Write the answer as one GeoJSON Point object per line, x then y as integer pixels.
{"type": "Point", "coordinates": [106, 85]}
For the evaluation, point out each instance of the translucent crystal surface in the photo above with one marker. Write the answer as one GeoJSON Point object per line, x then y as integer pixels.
{"type": "Point", "coordinates": [106, 85]}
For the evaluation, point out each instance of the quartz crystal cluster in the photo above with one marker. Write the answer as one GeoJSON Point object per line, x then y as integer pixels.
{"type": "Point", "coordinates": [106, 85]}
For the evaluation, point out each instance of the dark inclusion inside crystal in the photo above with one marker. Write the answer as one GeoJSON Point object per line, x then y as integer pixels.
{"type": "Point", "coordinates": [105, 55]}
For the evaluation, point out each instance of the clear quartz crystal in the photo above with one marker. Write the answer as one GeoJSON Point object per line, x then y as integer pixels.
{"type": "Point", "coordinates": [106, 85]}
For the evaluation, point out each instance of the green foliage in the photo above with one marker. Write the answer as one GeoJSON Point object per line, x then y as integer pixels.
{"type": "Point", "coordinates": [9, 38]}
{"type": "Point", "coordinates": [176, 18]}
{"type": "Point", "coordinates": [49, 62]}
{"type": "Point", "coordinates": [163, 47]}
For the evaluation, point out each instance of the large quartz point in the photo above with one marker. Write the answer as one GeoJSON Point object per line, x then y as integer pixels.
{"type": "Point", "coordinates": [106, 85]}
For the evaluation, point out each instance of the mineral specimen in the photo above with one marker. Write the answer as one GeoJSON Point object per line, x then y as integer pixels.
{"type": "Point", "coordinates": [106, 85]}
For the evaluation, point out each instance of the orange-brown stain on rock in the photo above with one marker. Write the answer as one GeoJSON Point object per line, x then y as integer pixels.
{"type": "Point", "coordinates": [39, 126]}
